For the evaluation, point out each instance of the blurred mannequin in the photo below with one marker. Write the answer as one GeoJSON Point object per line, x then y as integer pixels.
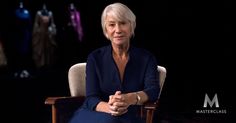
{"type": "Point", "coordinates": [21, 58]}
{"type": "Point", "coordinates": [75, 21]}
{"type": "Point", "coordinates": [23, 23]}
{"type": "Point", "coordinates": [72, 36]}
{"type": "Point", "coordinates": [3, 60]}
{"type": "Point", "coordinates": [44, 10]}
{"type": "Point", "coordinates": [43, 42]}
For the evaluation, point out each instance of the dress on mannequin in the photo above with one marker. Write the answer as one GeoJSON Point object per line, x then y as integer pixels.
{"type": "Point", "coordinates": [21, 42]}
{"type": "Point", "coordinates": [23, 23]}
{"type": "Point", "coordinates": [3, 60]}
{"type": "Point", "coordinates": [43, 41]}
{"type": "Point", "coordinates": [72, 36]}
{"type": "Point", "coordinates": [75, 21]}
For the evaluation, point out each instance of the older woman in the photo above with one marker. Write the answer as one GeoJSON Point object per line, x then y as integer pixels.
{"type": "Point", "coordinates": [119, 77]}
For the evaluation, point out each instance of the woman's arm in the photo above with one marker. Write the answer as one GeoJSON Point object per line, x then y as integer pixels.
{"type": "Point", "coordinates": [92, 85]}
{"type": "Point", "coordinates": [151, 80]}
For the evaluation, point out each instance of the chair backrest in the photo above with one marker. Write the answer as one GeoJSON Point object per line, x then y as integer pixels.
{"type": "Point", "coordinates": [162, 76]}
{"type": "Point", "coordinates": [76, 77]}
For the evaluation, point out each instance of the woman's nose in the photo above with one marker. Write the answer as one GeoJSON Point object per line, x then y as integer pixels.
{"type": "Point", "coordinates": [117, 29]}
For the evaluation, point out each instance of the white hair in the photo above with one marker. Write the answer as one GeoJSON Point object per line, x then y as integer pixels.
{"type": "Point", "coordinates": [120, 12]}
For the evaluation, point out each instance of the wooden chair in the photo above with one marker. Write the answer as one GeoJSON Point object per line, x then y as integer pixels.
{"type": "Point", "coordinates": [63, 107]}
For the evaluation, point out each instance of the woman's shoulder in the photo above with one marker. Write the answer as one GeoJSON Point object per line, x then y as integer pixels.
{"type": "Point", "coordinates": [142, 55]}
{"type": "Point", "coordinates": [99, 52]}
{"type": "Point", "coordinates": [141, 51]}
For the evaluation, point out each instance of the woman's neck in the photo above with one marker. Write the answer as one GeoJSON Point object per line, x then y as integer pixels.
{"type": "Point", "coordinates": [120, 51]}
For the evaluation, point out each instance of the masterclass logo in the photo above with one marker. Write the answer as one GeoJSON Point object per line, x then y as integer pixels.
{"type": "Point", "coordinates": [211, 106]}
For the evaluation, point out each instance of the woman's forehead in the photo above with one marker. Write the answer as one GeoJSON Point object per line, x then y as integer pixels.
{"type": "Point", "coordinates": [114, 18]}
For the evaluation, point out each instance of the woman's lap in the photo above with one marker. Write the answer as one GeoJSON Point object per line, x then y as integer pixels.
{"type": "Point", "coordinates": [88, 116]}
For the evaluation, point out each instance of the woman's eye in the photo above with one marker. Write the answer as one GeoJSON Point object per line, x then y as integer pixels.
{"type": "Point", "coordinates": [111, 25]}
{"type": "Point", "coordinates": [123, 23]}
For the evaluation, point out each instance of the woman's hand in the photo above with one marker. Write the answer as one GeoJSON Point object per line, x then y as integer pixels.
{"type": "Point", "coordinates": [118, 104]}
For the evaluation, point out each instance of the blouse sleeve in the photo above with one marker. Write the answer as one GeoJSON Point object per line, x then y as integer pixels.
{"type": "Point", "coordinates": [151, 80]}
{"type": "Point", "coordinates": [92, 85]}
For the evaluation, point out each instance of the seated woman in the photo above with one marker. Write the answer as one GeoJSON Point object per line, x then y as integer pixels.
{"type": "Point", "coordinates": [119, 77]}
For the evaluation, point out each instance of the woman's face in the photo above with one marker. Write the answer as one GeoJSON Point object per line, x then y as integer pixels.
{"type": "Point", "coordinates": [119, 32]}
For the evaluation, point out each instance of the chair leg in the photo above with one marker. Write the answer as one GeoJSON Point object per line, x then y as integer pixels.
{"type": "Point", "coordinates": [54, 114]}
{"type": "Point", "coordinates": [141, 112]}
{"type": "Point", "coordinates": [149, 117]}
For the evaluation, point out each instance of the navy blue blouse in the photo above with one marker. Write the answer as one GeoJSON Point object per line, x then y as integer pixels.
{"type": "Point", "coordinates": [102, 75]}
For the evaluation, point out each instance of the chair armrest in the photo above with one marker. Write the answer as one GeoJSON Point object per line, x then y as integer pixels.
{"type": "Point", "coordinates": [63, 107]}
{"type": "Point", "coordinates": [64, 100]}
{"type": "Point", "coordinates": [150, 107]}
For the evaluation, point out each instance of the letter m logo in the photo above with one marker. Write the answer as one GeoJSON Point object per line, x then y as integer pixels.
{"type": "Point", "coordinates": [211, 102]}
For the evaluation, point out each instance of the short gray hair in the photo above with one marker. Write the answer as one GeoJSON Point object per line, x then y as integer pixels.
{"type": "Point", "coordinates": [120, 12]}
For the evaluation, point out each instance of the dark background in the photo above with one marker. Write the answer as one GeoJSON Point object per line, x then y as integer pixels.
{"type": "Point", "coordinates": [192, 39]}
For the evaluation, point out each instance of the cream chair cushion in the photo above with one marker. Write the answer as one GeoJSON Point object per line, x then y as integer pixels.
{"type": "Point", "coordinates": [76, 76]}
